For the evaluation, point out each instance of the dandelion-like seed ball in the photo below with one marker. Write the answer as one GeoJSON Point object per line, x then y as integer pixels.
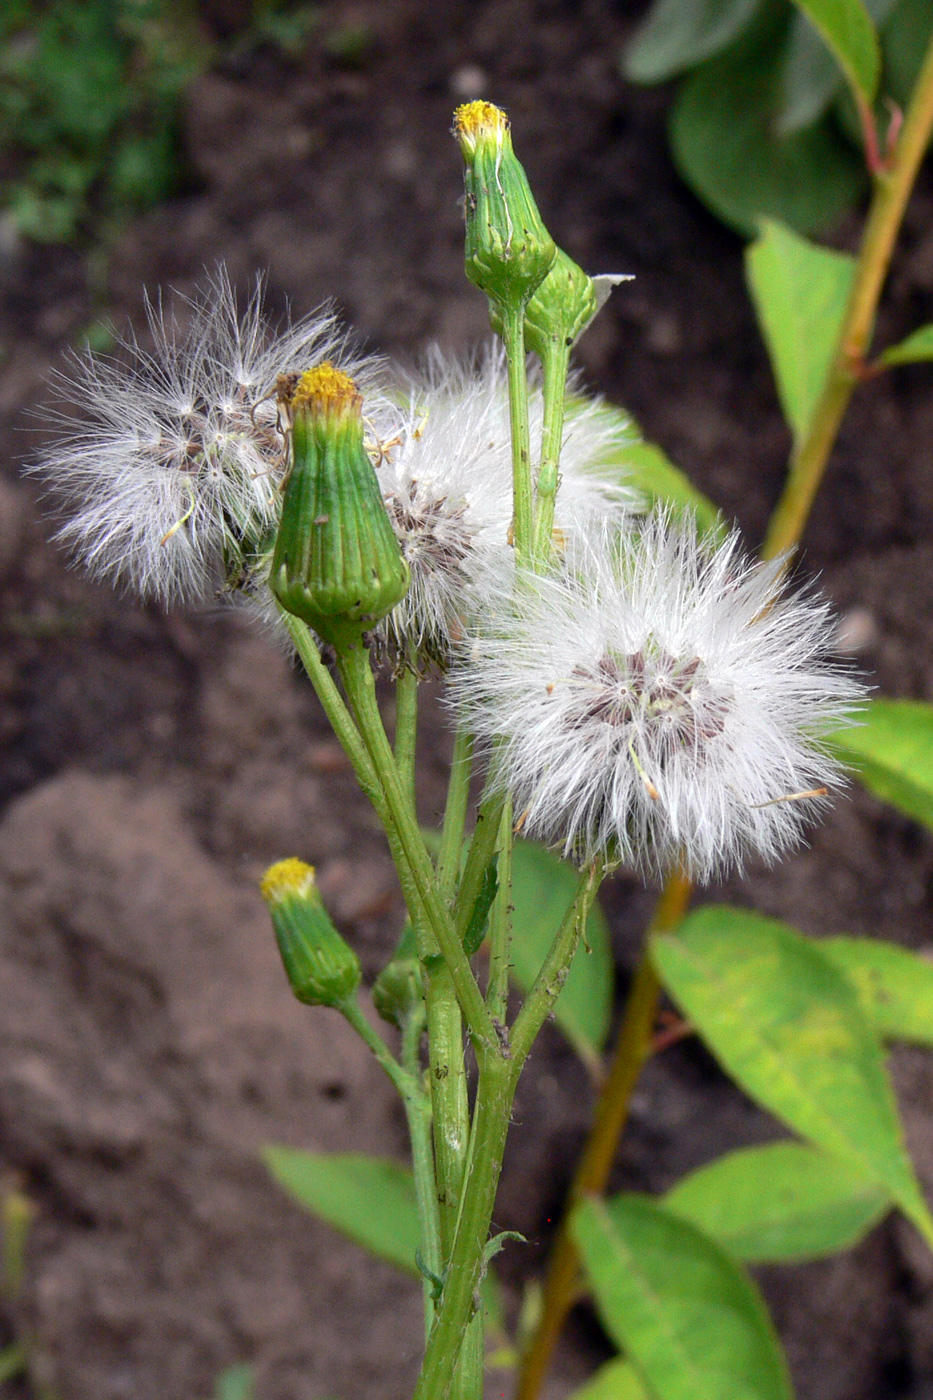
{"type": "Point", "coordinates": [666, 704]}
{"type": "Point", "coordinates": [446, 479]}
{"type": "Point", "coordinates": [170, 476]}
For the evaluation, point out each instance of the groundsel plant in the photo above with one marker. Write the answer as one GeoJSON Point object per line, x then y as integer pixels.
{"type": "Point", "coordinates": [640, 695]}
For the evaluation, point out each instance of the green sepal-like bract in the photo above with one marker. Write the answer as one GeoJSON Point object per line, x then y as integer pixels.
{"type": "Point", "coordinates": [321, 967]}
{"type": "Point", "coordinates": [508, 249]}
{"type": "Point", "coordinates": [337, 563]}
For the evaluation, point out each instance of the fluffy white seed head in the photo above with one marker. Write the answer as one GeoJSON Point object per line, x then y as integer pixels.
{"type": "Point", "coordinates": [169, 478]}
{"type": "Point", "coordinates": [664, 703]}
{"type": "Point", "coordinates": [446, 477]}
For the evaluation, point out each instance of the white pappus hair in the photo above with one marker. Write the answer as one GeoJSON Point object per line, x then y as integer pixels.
{"type": "Point", "coordinates": [170, 477]}
{"type": "Point", "coordinates": [446, 480]}
{"type": "Point", "coordinates": [666, 704]}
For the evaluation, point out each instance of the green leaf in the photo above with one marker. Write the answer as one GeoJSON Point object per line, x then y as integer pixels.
{"type": "Point", "coordinates": [236, 1383]}
{"type": "Point", "coordinates": [811, 77]}
{"type": "Point", "coordinates": [891, 750]}
{"type": "Point", "coordinates": [727, 147]}
{"type": "Point", "coordinates": [918, 346]}
{"type": "Point", "coordinates": [800, 293]}
{"type": "Point", "coordinates": [369, 1199]}
{"type": "Point", "coordinates": [780, 1203]}
{"type": "Point", "coordinates": [847, 29]}
{"type": "Point", "coordinates": [649, 471]}
{"type": "Point", "coordinates": [687, 1315]}
{"type": "Point", "coordinates": [678, 34]}
{"type": "Point", "coordinates": [789, 1028]}
{"type": "Point", "coordinates": [617, 1380]}
{"type": "Point", "coordinates": [904, 41]}
{"type": "Point", "coordinates": [543, 888]}
{"type": "Point", "coordinates": [895, 986]}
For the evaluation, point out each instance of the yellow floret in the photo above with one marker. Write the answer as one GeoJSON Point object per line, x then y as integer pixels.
{"type": "Point", "coordinates": [325, 387]}
{"type": "Point", "coordinates": [476, 121]}
{"type": "Point", "coordinates": [286, 877]}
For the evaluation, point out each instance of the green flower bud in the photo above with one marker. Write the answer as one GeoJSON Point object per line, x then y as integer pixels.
{"type": "Point", "coordinates": [337, 563]}
{"type": "Point", "coordinates": [322, 968]}
{"type": "Point", "coordinates": [399, 987]}
{"type": "Point", "coordinates": [563, 306]}
{"type": "Point", "coordinates": [508, 248]}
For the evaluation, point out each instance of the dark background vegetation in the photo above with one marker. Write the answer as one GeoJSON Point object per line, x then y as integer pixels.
{"type": "Point", "coordinates": [154, 764]}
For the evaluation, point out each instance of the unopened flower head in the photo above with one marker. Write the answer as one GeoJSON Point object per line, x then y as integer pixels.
{"type": "Point", "coordinates": [445, 475]}
{"type": "Point", "coordinates": [171, 481]}
{"type": "Point", "coordinates": [664, 705]}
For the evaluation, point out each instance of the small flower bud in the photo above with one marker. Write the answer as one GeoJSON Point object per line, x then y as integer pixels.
{"type": "Point", "coordinates": [508, 248]}
{"type": "Point", "coordinates": [322, 968]}
{"type": "Point", "coordinates": [563, 306]}
{"type": "Point", "coordinates": [337, 564]}
{"type": "Point", "coordinates": [400, 985]}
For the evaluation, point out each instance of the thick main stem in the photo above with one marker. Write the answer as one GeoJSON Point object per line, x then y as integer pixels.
{"type": "Point", "coordinates": [892, 190]}
{"type": "Point", "coordinates": [499, 1074]}
{"type": "Point", "coordinates": [464, 1273]}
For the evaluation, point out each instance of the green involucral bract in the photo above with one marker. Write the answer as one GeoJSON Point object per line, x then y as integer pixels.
{"type": "Point", "coordinates": [337, 563]}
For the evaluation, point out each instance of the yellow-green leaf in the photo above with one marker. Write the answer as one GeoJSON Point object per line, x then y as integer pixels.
{"type": "Point", "coordinates": [617, 1380]}
{"type": "Point", "coordinates": [686, 1314]}
{"type": "Point", "coordinates": [789, 1028]}
{"type": "Point", "coordinates": [918, 346]}
{"type": "Point", "coordinates": [891, 751]}
{"type": "Point", "coordinates": [650, 471]}
{"type": "Point", "coordinates": [779, 1203]}
{"type": "Point", "coordinates": [895, 985]}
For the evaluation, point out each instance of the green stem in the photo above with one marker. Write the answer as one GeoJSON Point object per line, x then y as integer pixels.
{"type": "Point", "coordinates": [500, 925]}
{"type": "Point", "coordinates": [556, 364]}
{"type": "Point", "coordinates": [513, 335]}
{"type": "Point", "coordinates": [406, 728]}
{"type": "Point", "coordinates": [417, 875]}
{"type": "Point", "coordinates": [458, 794]}
{"type": "Point", "coordinates": [422, 1156]}
{"type": "Point", "coordinates": [499, 1072]}
{"type": "Point", "coordinates": [332, 703]}
{"type": "Point", "coordinates": [447, 1071]}
{"type": "Point", "coordinates": [418, 1115]}
{"type": "Point", "coordinates": [892, 190]}
{"type": "Point", "coordinates": [496, 1090]}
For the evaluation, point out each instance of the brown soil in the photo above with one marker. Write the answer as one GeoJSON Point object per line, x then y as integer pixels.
{"type": "Point", "coordinates": [155, 764]}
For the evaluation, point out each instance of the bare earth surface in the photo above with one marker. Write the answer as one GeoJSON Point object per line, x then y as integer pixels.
{"type": "Point", "coordinates": [155, 764]}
